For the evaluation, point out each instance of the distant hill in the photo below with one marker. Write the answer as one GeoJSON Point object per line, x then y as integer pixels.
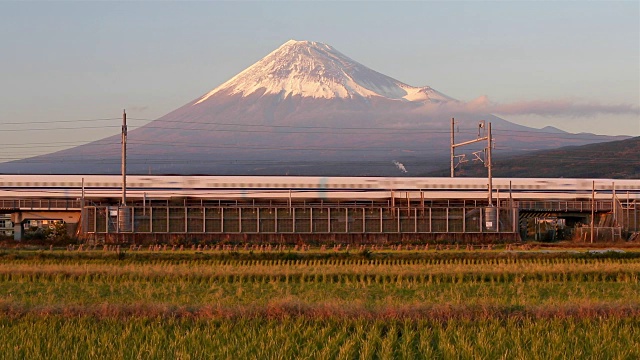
{"type": "Point", "coordinates": [614, 159]}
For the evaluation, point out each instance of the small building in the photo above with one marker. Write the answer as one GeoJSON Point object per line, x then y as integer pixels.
{"type": "Point", "coordinates": [6, 226]}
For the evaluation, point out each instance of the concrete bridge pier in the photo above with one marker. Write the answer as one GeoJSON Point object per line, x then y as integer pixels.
{"type": "Point", "coordinates": [18, 230]}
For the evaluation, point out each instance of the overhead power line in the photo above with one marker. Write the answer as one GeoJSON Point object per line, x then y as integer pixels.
{"type": "Point", "coordinates": [56, 121]}
{"type": "Point", "coordinates": [251, 128]}
{"type": "Point", "coordinates": [435, 130]}
{"type": "Point", "coordinates": [135, 159]}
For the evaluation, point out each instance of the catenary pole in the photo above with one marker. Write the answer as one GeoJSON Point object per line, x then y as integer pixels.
{"type": "Point", "coordinates": [489, 165]}
{"type": "Point", "coordinates": [593, 207]}
{"type": "Point", "coordinates": [452, 147]}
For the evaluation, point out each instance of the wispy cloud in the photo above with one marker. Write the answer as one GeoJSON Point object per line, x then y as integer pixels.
{"type": "Point", "coordinates": [562, 107]}
{"type": "Point", "coordinates": [141, 108]}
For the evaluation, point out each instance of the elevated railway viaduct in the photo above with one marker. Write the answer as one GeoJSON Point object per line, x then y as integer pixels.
{"type": "Point", "coordinates": [344, 210]}
{"type": "Point", "coordinates": [345, 221]}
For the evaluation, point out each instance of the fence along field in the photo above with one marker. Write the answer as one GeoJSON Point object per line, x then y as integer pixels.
{"type": "Point", "coordinates": [381, 304]}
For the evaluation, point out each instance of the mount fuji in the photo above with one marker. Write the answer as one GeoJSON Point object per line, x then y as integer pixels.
{"type": "Point", "coordinates": [304, 109]}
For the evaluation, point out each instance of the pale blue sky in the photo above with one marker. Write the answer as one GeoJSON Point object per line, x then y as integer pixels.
{"type": "Point", "coordinates": [89, 60]}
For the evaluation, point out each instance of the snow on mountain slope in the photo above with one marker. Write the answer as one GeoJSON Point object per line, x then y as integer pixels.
{"type": "Point", "coordinates": [316, 70]}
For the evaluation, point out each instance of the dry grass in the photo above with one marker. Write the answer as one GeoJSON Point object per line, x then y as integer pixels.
{"type": "Point", "coordinates": [292, 308]}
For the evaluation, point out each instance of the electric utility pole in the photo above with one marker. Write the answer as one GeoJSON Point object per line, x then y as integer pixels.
{"type": "Point", "coordinates": [124, 158]}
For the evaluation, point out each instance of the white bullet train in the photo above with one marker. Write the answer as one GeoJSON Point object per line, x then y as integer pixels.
{"type": "Point", "coordinates": [305, 187]}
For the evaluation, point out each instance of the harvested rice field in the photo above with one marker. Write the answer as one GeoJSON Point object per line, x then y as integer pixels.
{"type": "Point", "coordinates": [319, 304]}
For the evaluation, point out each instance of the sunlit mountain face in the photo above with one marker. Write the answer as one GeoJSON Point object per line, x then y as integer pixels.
{"type": "Point", "coordinates": [304, 109]}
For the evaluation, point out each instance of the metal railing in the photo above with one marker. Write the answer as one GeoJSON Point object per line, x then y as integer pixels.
{"type": "Point", "coordinates": [612, 233]}
{"type": "Point", "coordinates": [558, 205]}
{"type": "Point", "coordinates": [40, 204]}
{"type": "Point", "coordinates": [296, 220]}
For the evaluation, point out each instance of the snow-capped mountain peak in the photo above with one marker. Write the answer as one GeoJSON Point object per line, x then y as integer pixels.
{"type": "Point", "coordinates": [317, 70]}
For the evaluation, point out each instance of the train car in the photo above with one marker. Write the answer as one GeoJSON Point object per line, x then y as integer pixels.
{"type": "Point", "coordinates": [297, 187]}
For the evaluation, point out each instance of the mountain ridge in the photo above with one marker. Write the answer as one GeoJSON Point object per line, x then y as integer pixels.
{"type": "Point", "coordinates": [265, 120]}
{"type": "Point", "coordinates": [610, 160]}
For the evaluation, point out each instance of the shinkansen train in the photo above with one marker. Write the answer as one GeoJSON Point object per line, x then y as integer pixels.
{"type": "Point", "coordinates": [297, 187]}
